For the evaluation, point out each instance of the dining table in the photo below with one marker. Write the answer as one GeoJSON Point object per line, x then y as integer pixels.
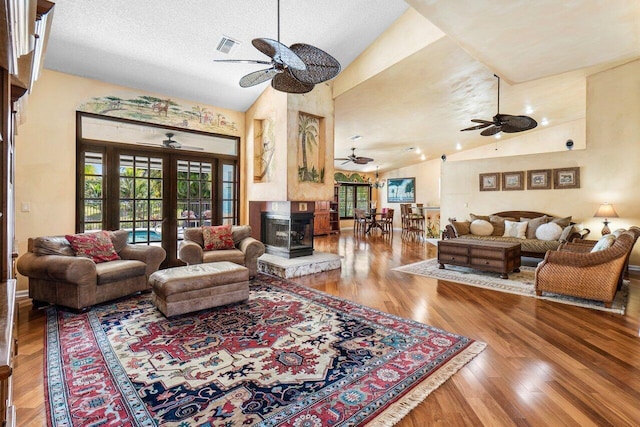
{"type": "Point", "coordinates": [373, 222]}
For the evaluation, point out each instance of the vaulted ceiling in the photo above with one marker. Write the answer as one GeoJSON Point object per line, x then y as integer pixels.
{"type": "Point", "coordinates": [542, 50]}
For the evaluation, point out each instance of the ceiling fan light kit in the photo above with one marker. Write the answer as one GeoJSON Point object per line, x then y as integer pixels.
{"type": "Point", "coordinates": [506, 123]}
{"type": "Point", "coordinates": [295, 69]}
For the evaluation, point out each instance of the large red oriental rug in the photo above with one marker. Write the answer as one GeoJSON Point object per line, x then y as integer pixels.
{"type": "Point", "coordinates": [289, 356]}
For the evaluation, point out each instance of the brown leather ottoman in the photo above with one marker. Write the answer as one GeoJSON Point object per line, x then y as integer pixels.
{"type": "Point", "coordinates": [180, 290]}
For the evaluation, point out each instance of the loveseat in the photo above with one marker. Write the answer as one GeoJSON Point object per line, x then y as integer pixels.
{"type": "Point", "coordinates": [57, 275]}
{"type": "Point", "coordinates": [534, 243]}
{"type": "Point", "coordinates": [243, 250]}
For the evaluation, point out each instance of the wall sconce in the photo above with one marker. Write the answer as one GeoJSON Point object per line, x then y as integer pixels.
{"type": "Point", "coordinates": [606, 211]}
{"type": "Point", "coordinates": [378, 183]}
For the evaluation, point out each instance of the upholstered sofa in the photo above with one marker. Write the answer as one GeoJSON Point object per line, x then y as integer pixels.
{"type": "Point", "coordinates": [591, 271]}
{"type": "Point", "coordinates": [531, 245]}
{"type": "Point", "coordinates": [58, 276]}
{"type": "Point", "coordinates": [245, 250]}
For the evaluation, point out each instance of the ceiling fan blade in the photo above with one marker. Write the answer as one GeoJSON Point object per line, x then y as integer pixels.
{"type": "Point", "coordinates": [320, 65]}
{"type": "Point", "coordinates": [189, 147]}
{"type": "Point", "coordinates": [258, 77]}
{"type": "Point", "coordinates": [279, 52]}
{"type": "Point", "coordinates": [482, 126]}
{"type": "Point", "coordinates": [285, 82]}
{"type": "Point", "coordinates": [152, 144]}
{"type": "Point", "coordinates": [243, 61]}
{"type": "Point", "coordinates": [491, 131]}
{"type": "Point", "coordinates": [341, 158]}
{"type": "Point", "coordinates": [482, 121]}
{"type": "Point", "coordinates": [362, 160]}
{"type": "Point", "coordinates": [517, 123]}
{"type": "Point", "coordinates": [344, 163]}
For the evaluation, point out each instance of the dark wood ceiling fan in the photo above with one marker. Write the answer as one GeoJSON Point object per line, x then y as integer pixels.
{"type": "Point", "coordinates": [503, 122]}
{"type": "Point", "coordinates": [294, 69]}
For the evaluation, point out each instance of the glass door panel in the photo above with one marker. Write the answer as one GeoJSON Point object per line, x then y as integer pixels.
{"type": "Point", "coordinates": [140, 183]}
{"type": "Point", "coordinates": [229, 194]}
{"type": "Point", "coordinates": [194, 194]}
{"type": "Point", "coordinates": [93, 195]}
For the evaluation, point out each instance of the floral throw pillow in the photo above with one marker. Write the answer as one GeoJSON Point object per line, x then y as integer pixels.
{"type": "Point", "coordinates": [217, 237]}
{"type": "Point", "coordinates": [95, 246]}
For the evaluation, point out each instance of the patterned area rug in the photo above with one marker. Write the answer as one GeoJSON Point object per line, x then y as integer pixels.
{"type": "Point", "coordinates": [289, 356]}
{"type": "Point", "coordinates": [522, 283]}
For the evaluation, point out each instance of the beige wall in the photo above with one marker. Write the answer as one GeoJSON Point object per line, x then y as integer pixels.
{"type": "Point", "coordinates": [407, 35]}
{"type": "Point", "coordinates": [608, 165]}
{"type": "Point", "coordinates": [285, 108]}
{"type": "Point", "coordinates": [427, 176]}
{"type": "Point", "coordinates": [318, 102]}
{"type": "Point", "coordinates": [270, 104]}
{"type": "Point", "coordinates": [46, 154]}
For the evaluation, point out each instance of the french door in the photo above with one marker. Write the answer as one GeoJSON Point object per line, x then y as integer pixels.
{"type": "Point", "coordinates": [154, 195]}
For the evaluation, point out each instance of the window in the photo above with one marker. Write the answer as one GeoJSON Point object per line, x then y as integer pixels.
{"type": "Point", "coordinates": [353, 196]}
{"type": "Point", "coordinates": [153, 191]}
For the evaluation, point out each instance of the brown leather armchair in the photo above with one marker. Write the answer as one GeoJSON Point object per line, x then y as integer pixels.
{"type": "Point", "coordinates": [57, 276]}
{"type": "Point", "coordinates": [245, 252]}
{"type": "Point", "coordinates": [576, 271]}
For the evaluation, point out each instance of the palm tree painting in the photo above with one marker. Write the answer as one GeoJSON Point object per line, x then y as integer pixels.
{"type": "Point", "coordinates": [308, 135]}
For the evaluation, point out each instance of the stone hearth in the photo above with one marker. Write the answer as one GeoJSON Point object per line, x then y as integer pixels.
{"type": "Point", "coordinates": [300, 266]}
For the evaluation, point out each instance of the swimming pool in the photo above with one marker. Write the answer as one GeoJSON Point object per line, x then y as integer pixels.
{"type": "Point", "coordinates": [141, 236]}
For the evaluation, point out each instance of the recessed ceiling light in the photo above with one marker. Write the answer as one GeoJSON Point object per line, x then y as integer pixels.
{"type": "Point", "coordinates": [418, 151]}
{"type": "Point", "coordinates": [498, 136]}
{"type": "Point", "coordinates": [458, 146]}
{"type": "Point", "coordinates": [544, 121]}
{"type": "Point", "coordinates": [423, 157]}
{"type": "Point", "coordinates": [355, 137]}
{"type": "Point", "coordinates": [528, 110]}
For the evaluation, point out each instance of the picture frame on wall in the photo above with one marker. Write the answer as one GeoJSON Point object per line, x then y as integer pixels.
{"type": "Point", "coordinates": [539, 179]}
{"type": "Point", "coordinates": [401, 190]}
{"type": "Point", "coordinates": [566, 178]}
{"type": "Point", "coordinates": [490, 181]}
{"type": "Point", "coordinates": [512, 181]}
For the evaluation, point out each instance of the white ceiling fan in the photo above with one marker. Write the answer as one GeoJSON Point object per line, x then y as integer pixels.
{"type": "Point", "coordinates": [171, 144]}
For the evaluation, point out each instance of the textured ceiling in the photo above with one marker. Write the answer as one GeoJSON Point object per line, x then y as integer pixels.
{"type": "Point", "coordinates": [168, 47]}
{"type": "Point", "coordinates": [543, 50]}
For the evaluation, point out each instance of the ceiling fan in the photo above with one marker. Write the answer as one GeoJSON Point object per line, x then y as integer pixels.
{"type": "Point", "coordinates": [503, 122]}
{"type": "Point", "coordinates": [355, 159]}
{"type": "Point", "coordinates": [172, 144]}
{"type": "Point", "coordinates": [294, 69]}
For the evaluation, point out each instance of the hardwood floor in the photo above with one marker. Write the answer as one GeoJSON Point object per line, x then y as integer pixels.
{"type": "Point", "coordinates": [545, 363]}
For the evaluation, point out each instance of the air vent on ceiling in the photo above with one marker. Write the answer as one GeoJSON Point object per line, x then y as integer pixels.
{"type": "Point", "coordinates": [226, 44]}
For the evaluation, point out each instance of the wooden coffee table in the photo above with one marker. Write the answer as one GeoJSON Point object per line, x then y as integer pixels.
{"type": "Point", "coordinates": [499, 257]}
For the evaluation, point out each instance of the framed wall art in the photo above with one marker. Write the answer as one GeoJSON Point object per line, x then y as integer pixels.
{"type": "Point", "coordinates": [490, 181]}
{"type": "Point", "coordinates": [539, 179]}
{"type": "Point", "coordinates": [401, 190]}
{"type": "Point", "coordinates": [566, 178]}
{"type": "Point", "coordinates": [512, 181]}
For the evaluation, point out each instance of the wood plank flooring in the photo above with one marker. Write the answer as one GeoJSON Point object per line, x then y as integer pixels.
{"type": "Point", "coordinates": [545, 363]}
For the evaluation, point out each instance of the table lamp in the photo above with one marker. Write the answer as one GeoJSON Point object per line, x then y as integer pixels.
{"type": "Point", "coordinates": [606, 211]}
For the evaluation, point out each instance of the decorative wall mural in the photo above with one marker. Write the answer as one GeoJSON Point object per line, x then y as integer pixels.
{"type": "Point", "coordinates": [354, 177]}
{"type": "Point", "coordinates": [166, 112]}
{"type": "Point", "coordinates": [311, 149]}
{"type": "Point", "coordinates": [264, 148]}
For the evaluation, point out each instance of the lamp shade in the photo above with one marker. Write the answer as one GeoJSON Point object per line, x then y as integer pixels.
{"type": "Point", "coordinates": [606, 211]}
